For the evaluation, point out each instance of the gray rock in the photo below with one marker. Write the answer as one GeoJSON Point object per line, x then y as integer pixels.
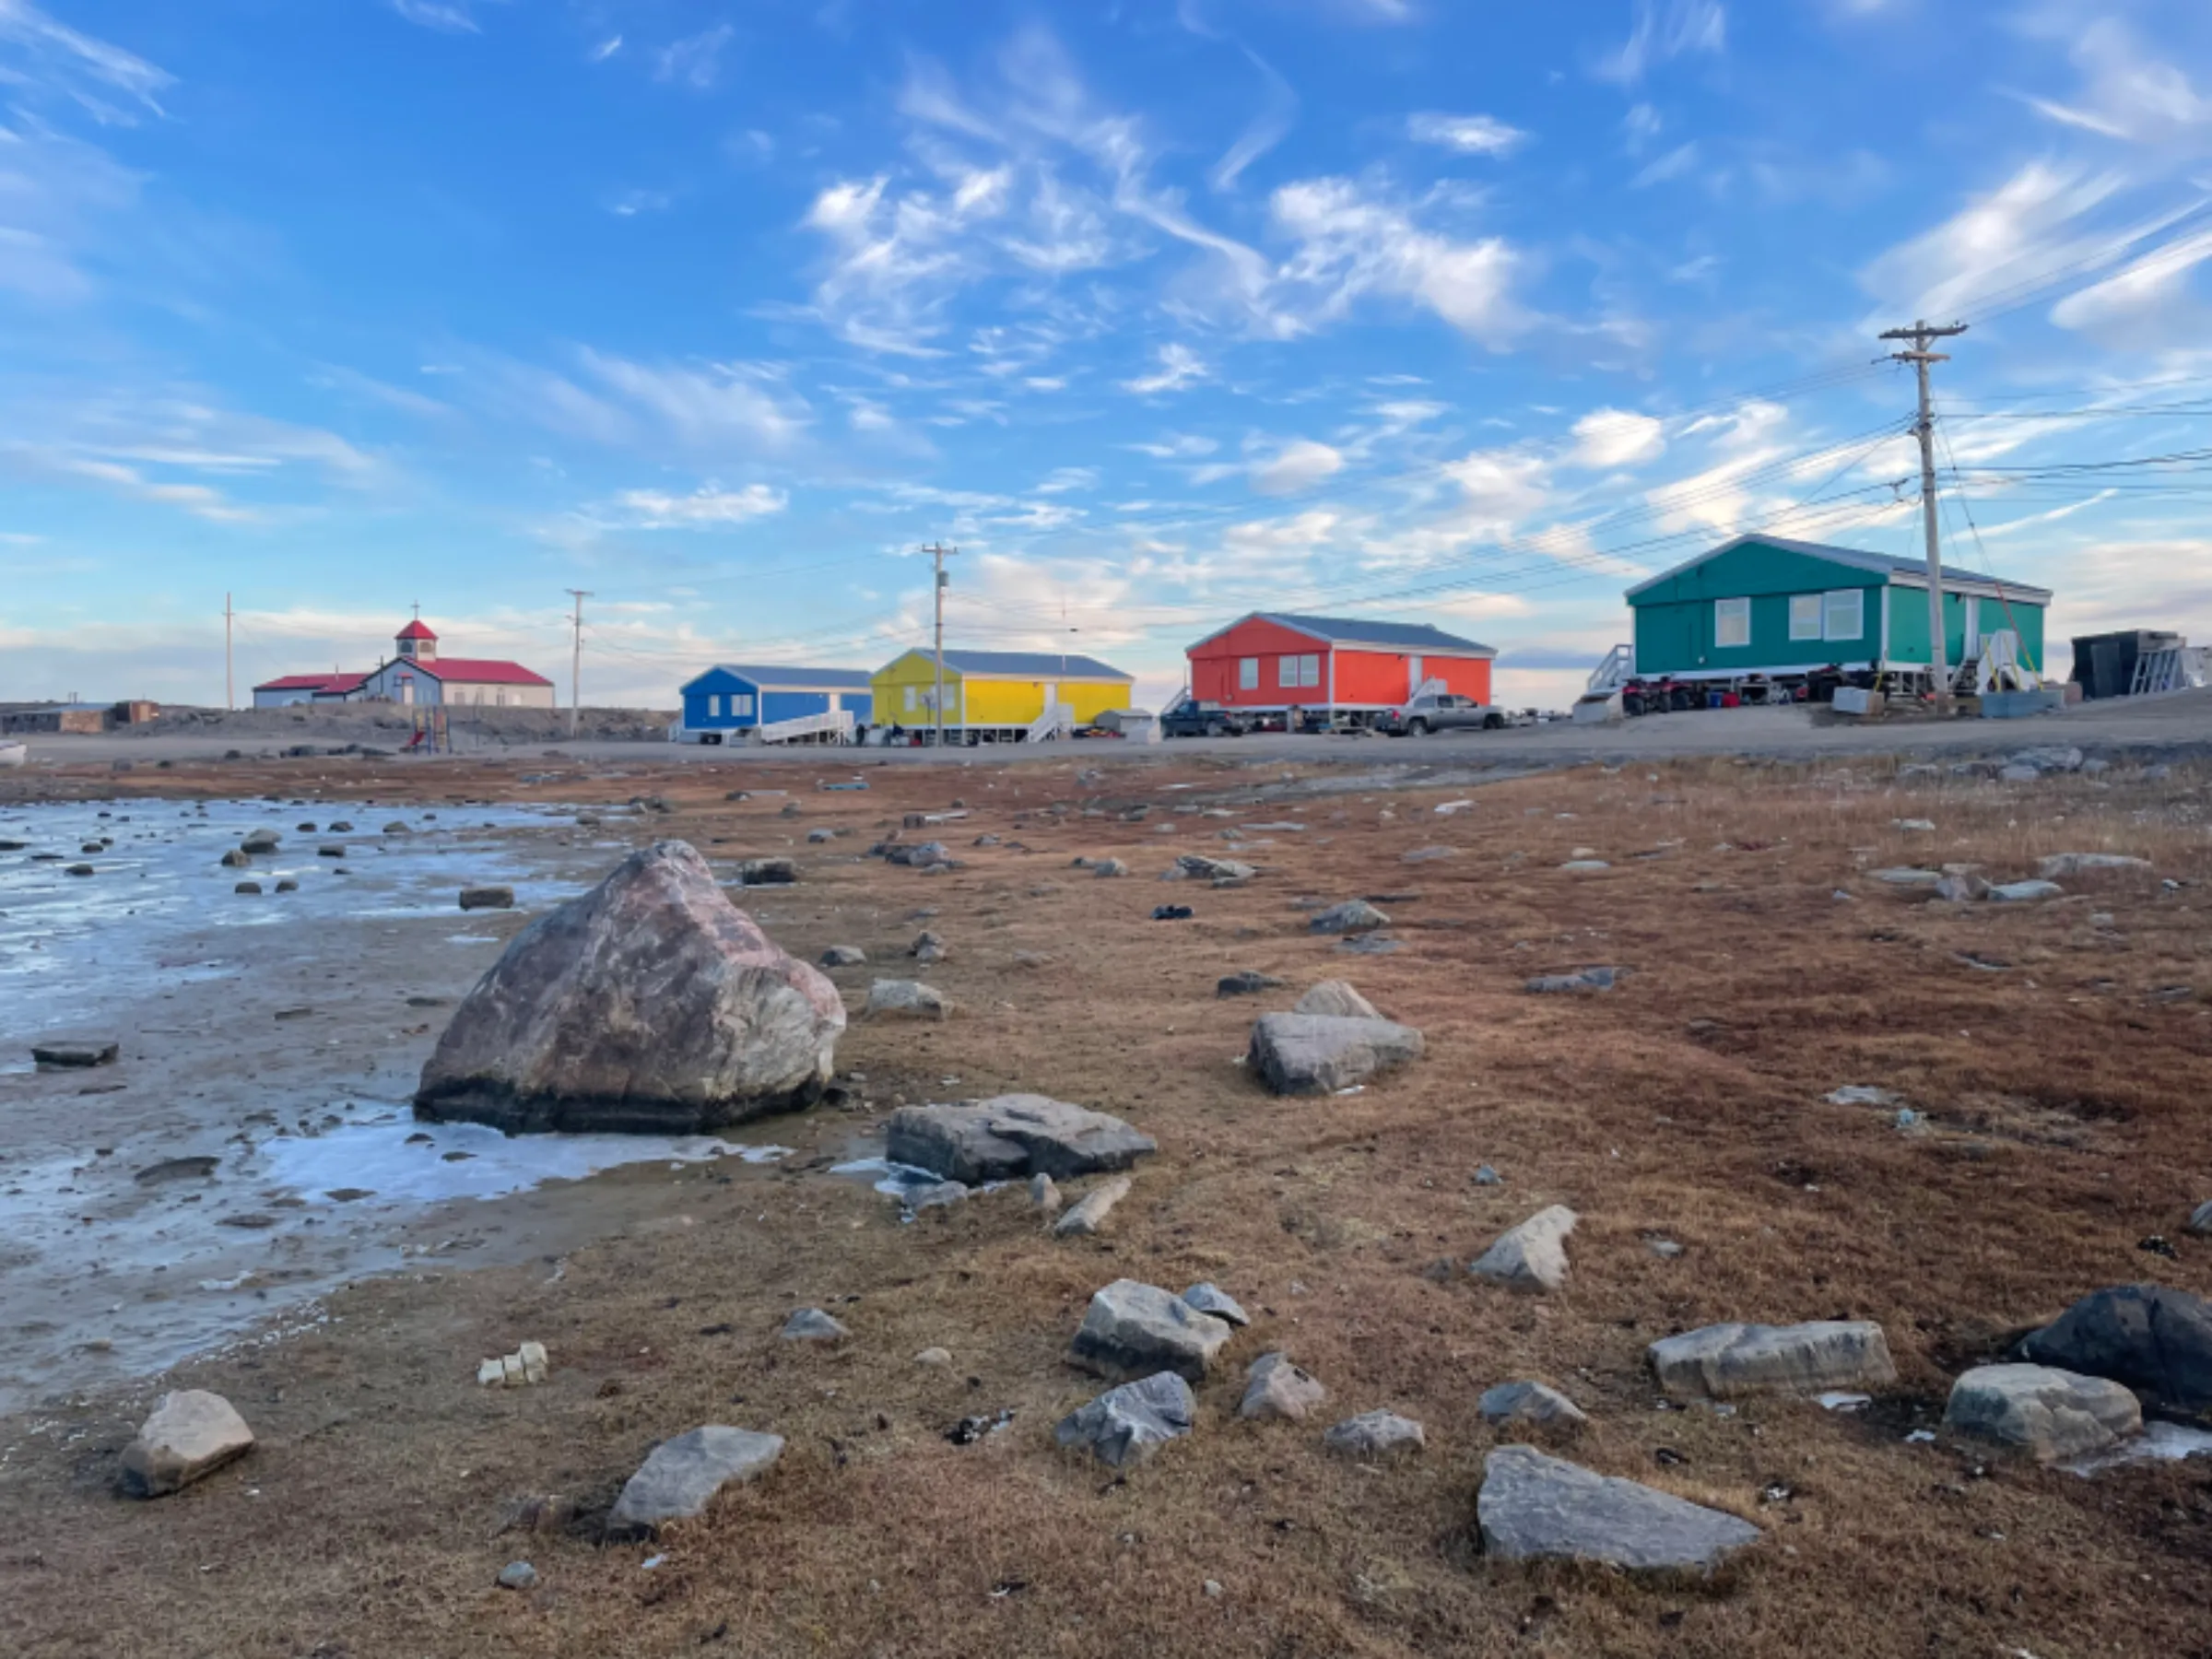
{"type": "Point", "coordinates": [944, 1194]}
{"type": "Point", "coordinates": [1045, 1195]}
{"type": "Point", "coordinates": [235, 859]}
{"type": "Point", "coordinates": [1531, 1402]}
{"type": "Point", "coordinates": [2018, 774]}
{"type": "Point", "coordinates": [1276, 1388]}
{"type": "Point", "coordinates": [651, 1003]}
{"type": "Point", "coordinates": [1909, 878]}
{"type": "Point", "coordinates": [1012, 1135]}
{"type": "Point", "coordinates": [1531, 1257]}
{"type": "Point", "coordinates": [1585, 866]}
{"type": "Point", "coordinates": [75, 1053]}
{"type": "Point", "coordinates": [1723, 1361]}
{"type": "Point", "coordinates": [2055, 1415]}
{"type": "Point", "coordinates": [1209, 1297]}
{"type": "Point", "coordinates": [1354, 915]}
{"type": "Point", "coordinates": [811, 1324]}
{"type": "Point", "coordinates": [907, 997]}
{"type": "Point", "coordinates": [2050, 758]}
{"type": "Point", "coordinates": [1315, 1054]}
{"type": "Point", "coordinates": [487, 897]}
{"type": "Point", "coordinates": [2200, 1219]}
{"type": "Point", "coordinates": [1582, 981]}
{"type": "Point", "coordinates": [1126, 1425]}
{"type": "Point", "coordinates": [191, 1434]}
{"type": "Point", "coordinates": [844, 956]}
{"type": "Point", "coordinates": [2075, 863]}
{"type": "Point", "coordinates": [1196, 867]}
{"type": "Point", "coordinates": [815, 838]}
{"type": "Point", "coordinates": [1534, 1508]}
{"type": "Point", "coordinates": [518, 1575]}
{"type": "Point", "coordinates": [922, 856]}
{"type": "Point", "coordinates": [2024, 892]}
{"type": "Point", "coordinates": [1429, 854]}
{"type": "Point", "coordinates": [1335, 1000]}
{"type": "Point", "coordinates": [1133, 1330]}
{"type": "Point", "coordinates": [1109, 867]}
{"type": "Point", "coordinates": [1090, 1215]}
{"type": "Point", "coordinates": [1862, 1094]}
{"type": "Point", "coordinates": [1369, 945]}
{"type": "Point", "coordinates": [1962, 888]}
{"type": "Point", "coordinates": [261, 843]}
{"type": "Point", "coordinates": [1375, 1434]}
{"type": "Point", "coordinates": [2155, 1339]}
{"type": "Point", "coordinates": [767, 872]}
{"type": "Point", "coordinates": [253, 887]}
{"type": "Point", "coordinates": [1245, 984]}
{"type": "Point", "coordinates": [682, 1475]}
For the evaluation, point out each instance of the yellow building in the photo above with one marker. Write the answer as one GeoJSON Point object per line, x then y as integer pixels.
{"type": "Point", "coordinates": [1001, 695]}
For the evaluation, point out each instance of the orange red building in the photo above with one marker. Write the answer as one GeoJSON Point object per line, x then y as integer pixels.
{"type": "Point", "coordinates": [1273, 660]}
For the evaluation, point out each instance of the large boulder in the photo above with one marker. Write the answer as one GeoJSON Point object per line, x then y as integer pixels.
{"type": "Point", "coordinates": [1534, 1508]}
{"type": "Point", "coordinates": [1126, 1425]}
{"type": "Point", "coordinates": [682, 1475]}
{"type": "Point", "coordinates": [1354, 915]}
{"type": "Point", "coordinates": [1132, 1329]}
{"type": "Point", "coordinates": [191, 1433]}
{"type": "Point", "coordinates": [1320, 1054]}
{"type": "Point", "coordinates": [2157, 1340]}
{"type": "Point", "coordinates": [1531, 1257]}
{"type": "Point", "coordinates": [1724, 1360]}
{"type": "Point", "coordinates": [651, 1003]}
{"type": "Point", "coordinates": [2054, 1414]}
{"type": "Point", "coordinates": [1013, 1135]}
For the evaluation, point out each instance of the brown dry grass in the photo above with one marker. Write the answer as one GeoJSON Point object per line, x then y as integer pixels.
{"type": "Point", "coordinates": [2068, 1121]}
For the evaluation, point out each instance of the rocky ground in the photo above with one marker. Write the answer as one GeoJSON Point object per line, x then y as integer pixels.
{"type": "Point", "coordinates": [2016, 1119]}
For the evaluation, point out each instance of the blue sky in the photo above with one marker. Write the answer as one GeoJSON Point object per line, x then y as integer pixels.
{"type": "Point", "coordinates": [1162, 312]}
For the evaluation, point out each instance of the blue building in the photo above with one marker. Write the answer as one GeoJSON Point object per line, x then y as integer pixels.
{"type": "Point", "coordinates": [771, 703]}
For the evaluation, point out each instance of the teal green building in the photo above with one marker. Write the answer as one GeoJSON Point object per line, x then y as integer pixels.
{"type": "Point", "coordinates": [1766, 604]}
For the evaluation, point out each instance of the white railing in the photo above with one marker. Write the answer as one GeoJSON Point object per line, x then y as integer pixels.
{"type": "Point", "coordinates": [1428, 688]}
{"type": "Point", "coordinates": [1057, 721]}
{"type": "Point", "coordinates": [839, 720]}
{"type": "Point", "coordinates": [1615, 671]}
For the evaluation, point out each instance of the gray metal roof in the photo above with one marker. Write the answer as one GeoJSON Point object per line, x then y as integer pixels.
{"type": "Point", "coordinates": [788, 676]}
{"type": "Point", "coordinates": [1038, 665]}
{"type": "Point", "coordinates": [1362, 631]}
{"type": "Point", "coordinates": [1911, 573]}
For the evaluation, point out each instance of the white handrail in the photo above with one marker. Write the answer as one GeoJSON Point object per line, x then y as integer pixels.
{"type": "Point", "coordinates": [1617, 668]}
{"type": "Point", "coordinates": [1057, 721]}
{"type": "Point", "coordinates": [807, 725]}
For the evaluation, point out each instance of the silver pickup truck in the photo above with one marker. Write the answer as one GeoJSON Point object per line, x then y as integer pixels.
{"type": "Point", "coordinates": [1439, 711]}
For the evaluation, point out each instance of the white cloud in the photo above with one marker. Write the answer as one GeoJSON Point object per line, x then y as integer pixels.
{"type": "Point", "coordinates": [2149, 304]}
{"type": "Point", "coordinates": [1504, 488]}
{"type": "Point", "coordinates": [1179, 367]}
{"type": "Point", "coordinates": [1469, 135]}
{"type": "Point", "coordinates": [1665, 29]}
{"type": "Point", "coordinates": [1352, 245]}
{"type": "Point", "coordinates": [447, 16]}
{"type": "Point", "coordinates": [1266, 130]}
{"type": "Point", "coordinates": [1271, 539]}
{"type": "Point", "coordinates": [1176, 446]}
{"type": "Point", "coordinates": [1295, 469]}
{"type": "Point", "coordinates": [2029, 227]}
{"type": "Point", "coordinates": [704, 509]}
{"type": "Point", "coordinates": [1605, 439]}
{"type": "Point", "coordinates": [605, 49]}
{"type": "Point", "coordinates": [702, 406]}
{"type": "Point", "coordinates": [58, 57]}
{"type": "Point", "coordinates": [695, 61]}
{"type": "Point", "coordinates": [2129, 93]}
{"type": "Point", "coordinates": [1671, 165]}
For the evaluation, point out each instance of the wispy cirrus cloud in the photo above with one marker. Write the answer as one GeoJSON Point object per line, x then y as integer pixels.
{"type": "Point", "coordinates": [446, 16]}
{"type": "Point", "coordinates": [50, 56]}
{"type": "Point", "coordinates": [706, 508]}
{"type": "Point", "coordinates": [1467, 134]}
{"type": "Point", "coordinates": [696, 60]}
{"type": "Point", "coordinates": [1665, 29]}
{"type": "Point", "coordinates": [1179, 367]}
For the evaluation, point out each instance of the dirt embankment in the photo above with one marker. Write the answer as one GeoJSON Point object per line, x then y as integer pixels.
{"type": "Point", "coordinates": [2056, 1053]}
{"type": "Point", "coordinates": [384, 725]}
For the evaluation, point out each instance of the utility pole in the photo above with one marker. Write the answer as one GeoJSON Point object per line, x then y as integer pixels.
{"type": "Point", "coordinates": [939, 552]}
{"type": "Point", "coordinates": [576, 660]}
{"type": "Point", "coordinates": [229, 690]}
{"type": "Point", "coordinates": [1922, 335]}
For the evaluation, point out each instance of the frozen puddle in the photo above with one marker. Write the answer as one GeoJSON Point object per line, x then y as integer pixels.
{"type": "Point", "coordinates": [397, 1161]}
{"type": "Point", "coordinates": [2158, 1442]}
{"type": "Point", "coordinates": [899, 1181]}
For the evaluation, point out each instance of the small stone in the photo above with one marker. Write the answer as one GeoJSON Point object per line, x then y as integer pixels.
{"type": "Point", "coordinates": [1245, 984]}
{"type": "Point", "coordinates": [191, 1434]}
{"type": "Point", "coordinates": [811, 1324]}
{"type": "Point", "coordinates": [1109, 867]}
{"type": "Point", "coordinates": [1128, 1424]}
{"type": "Point", "coordinates": [909, 998]}
{"type": "Point", "coordinates": [1531, 1257]}
{"type": "Point", "coordinates": [1375, 1434]}
{"type": "Point", "coordinates": [1276, 1388]}
{"type": "Point", "coordinates": [844, 956]}
{"type": "Point", "coordinates": [682, 1475]}
{"type": "Point", "coordinates": [252, 887]}
{"type": "Point", "coordinates": [1860, 1094]}
{"type": "Point", "coordinates": [1089, 1216]}
{"type": "Point", "coordinates": [1486, 1176]}
{"type": "Point", "coordinates": [1354, 915]}
{"type": "Point", "coordinates": [2200, 1219]}
{"type": "Point", "coordinates": [767, 872]}
{"type": "Point", "coordinates": [1132, 1329]}
{"type": "Point", "coordinates": [1209, 1297]}
{"type": "Point", "coordinates": [2055, 1415]}
{"type": "Point", "coordinates": [935, 1358]}
{"type": "Point", "coordinates": [1531, 1402]}
{"type": "Point", "coordinates": [2025, 893]}
{"type": "Point", "coordinates": [1582, 982]}
{"type": "Point", "coordinates": [487, 897]}
{"type": "Point", "coordinates": [1335, 1000]}
{"type": "Point", "coordinates": [518, 1575]}
{"type": "Point", "coordinates": [1585, 866]}
{"type": "Point", "coordinates": [815, 837]}
{"type": "Point", "coordinates": [1045, 1195]}
{"type": "Point", "coordinates": [2018, 774]}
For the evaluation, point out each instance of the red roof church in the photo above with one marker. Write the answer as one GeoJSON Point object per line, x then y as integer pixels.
{"type": "Point", "coordinates": [418, 676]}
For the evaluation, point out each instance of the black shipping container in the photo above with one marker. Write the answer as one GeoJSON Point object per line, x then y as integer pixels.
{"type": "Point", "coordinates": [2105, 664]}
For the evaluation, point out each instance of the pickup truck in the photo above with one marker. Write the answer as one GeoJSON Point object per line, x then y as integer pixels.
{"type": "Point", "coordinates": [1439, 711]}
{"type": "Point", "coordinates": [1190, 718]}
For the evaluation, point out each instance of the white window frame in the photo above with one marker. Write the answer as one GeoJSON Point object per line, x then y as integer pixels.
{"type": "Point", "coordinates": [1248, 674]}
{"type": "Point", "coordinates": [1806, 611]}
{"type": "Point", "coordinates": [1286, 672]}
{"type": "Point", "coordinates": [741, 704]}
{"type": "Point", "coordinates": [909, 698]}
{"type": "Point", "coordinates": [714, 705]}
{"type": "Point", "coordinates": [1830, 629]}
{"type": "Point", "coordinates": [1731, 615]}
{"type": "Point", "coordinates": [1308, 670]}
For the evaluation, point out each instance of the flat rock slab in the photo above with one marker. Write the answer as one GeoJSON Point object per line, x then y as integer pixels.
{"type": "Point", "coordinates": [1089, 1216]}
{"type": "Point", "coordinates": [1725, 1360]}
{"type": "Point", "coordinates": [1126, 1425]}
{"type": "Point", "coordinates": [2155, 1339]}
{"type": "Point", "coordinates": [1909, 878]}
{"type": "Point", "coordinates": [1196, 867]}
{"type": "Point", "coordinates": [2024, 892]}
{"type": "Point", "coordinates": [1531, 1257]}
{"type": "Point", "coordinates": [1533, 1404]}
{"type": "Point", "coordinates": [909, 998]}
{"type": "Point", "coordinates": [1276, 1388]}
{"type": "Point", "coordinates": [1536, 1508]}
{"type": "Point", "coordinates": [2055, 1415]}
{"type": "Point", "coordinates": [1354, 915]}
{"type": "Point", "coordinates": [1010, 1136]}
{"type": "Point", "coordinates": [649, 1004]}
{"type": "Point", "coordinates": [1133, 1329]}
{"type": "Point", "coordinates": [1209, 1297]}
{"type": "Point", "coordinates": [2061, 864]}
{"type": "Point", "coordinates": [1245, 984]}
{"type": "Point", "coordinates": [682, 1475]}
{"type": "Point", "coordinates": [191, 1434]}
{"type": "Point", "coordinates": [75, 1051]}
{"type": "Point", "coordinates": [1375, 1434]}
{"type": "Point", "coordinates": [1335, 1000]}
{"type": "Point", "coordinates": [1584, 982]}
{"type": "Point", "coordinates": [1319, 1053]}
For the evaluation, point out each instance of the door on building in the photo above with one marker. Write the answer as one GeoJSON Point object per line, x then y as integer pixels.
{"type": "Point", "coordinates": [1051, 695]}
{"type": "Point", "coordinates": [1413, 677]}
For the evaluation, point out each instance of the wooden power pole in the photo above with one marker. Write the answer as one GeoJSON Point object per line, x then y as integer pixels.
{"type": "Point", "coordinates": [1922, 335]}
{"type": "Point", "coordinates": [939, 552]}
{"type": "Point", "coordinates": [576, 660]}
